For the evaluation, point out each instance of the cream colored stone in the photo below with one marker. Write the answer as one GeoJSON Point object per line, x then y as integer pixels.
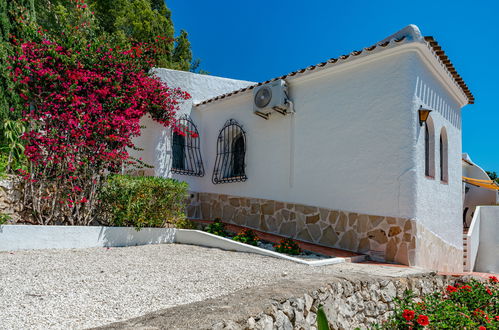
{"type": "Point", "coordinates": [288, 229]}
{"type": "Point", "coordinates": [391, 220]}
{"type": "Point", "coordinates": [333, 217]}
{"type": "Point", "coordinates": [273, 224]}
{"type": "Point", "coordinates": [228, 212]}
{"type": "Point", "coordinates": [391, 250]}
{"type": "Point", "coordinates": [253, 221]}
{"type": "Point", "coordinates": [349, 241]}
{"type": "Point", "coordinates": [312, 218]}
{"type": "Point", "coordinates": [235, 201]}
{"type": "Point", "coordinates": [363, 223]}
{"type": "Point", "coordinates": [268, 208]}
{"type": "Point", "coordinates": [378, 235]}
{"type": "Point", "coordinates": [315, 231]}
{"type": "Point", "coordinates": [304, 235]}
{"type": "Point", "coordinates": [329, 237]}
{"type": "Point", "coordinates": [305, 209]}
{"type": "Point", "coordinates": [375, 220]}
{"type": "Point", "coordinates": [394, 231]}
{"type": "Point", "coordinates": [341, 225]}
{"type": "Point", "coordinates": [402, 255]}
{"type": "Point", "coordinates": [352, 219]}
{"type": "Point", "coordinates": [364, 245]}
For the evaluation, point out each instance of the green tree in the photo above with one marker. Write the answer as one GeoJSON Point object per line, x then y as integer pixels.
{"type": "Point", "coordinates": [14, 15]}
{"type": "Point", "coordinates": [147, 21]}
{"type": "Point", "coordinates": [493, 176]}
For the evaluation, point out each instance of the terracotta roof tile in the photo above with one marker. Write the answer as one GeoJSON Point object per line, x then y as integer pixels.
{"type": "Point", "coordinates": [432, 44]}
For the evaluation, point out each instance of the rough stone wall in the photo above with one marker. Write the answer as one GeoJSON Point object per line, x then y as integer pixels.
{"type": "Point", "coordinates": [348, 304]}
{"type": "Point", "coordinates": [10, 197]}
{"type": "Point", "coordinates": [383, 238]}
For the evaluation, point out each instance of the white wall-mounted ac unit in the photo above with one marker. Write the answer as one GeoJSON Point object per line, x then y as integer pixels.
{"type": "Point", "coordinates": [271, 97]}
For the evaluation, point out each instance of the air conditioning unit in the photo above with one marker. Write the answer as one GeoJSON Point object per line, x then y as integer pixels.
{"type": "Point", "coordinates": [271, 97]}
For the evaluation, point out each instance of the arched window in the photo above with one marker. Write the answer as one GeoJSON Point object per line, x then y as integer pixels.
{"type": "Point", "coordinates": [429, 148]}
{"type": "Point", "coordinates": [444, 156]}
{"type": "Point", "coordinates": [186, 152]}
{"type": "Point", "coordinates": [231, 152]}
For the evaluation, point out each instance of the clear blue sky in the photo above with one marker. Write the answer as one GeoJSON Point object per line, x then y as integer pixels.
{"type": "Point", "coordinates": [258, 40]}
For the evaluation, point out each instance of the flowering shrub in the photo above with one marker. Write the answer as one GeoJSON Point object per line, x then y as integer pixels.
{"type": "Point", "coordinates": [143, 201]}
{"type": "Point", "coordinates": [83, 104]}
{"type": "Point", "coordinates": [247, 236]}
{"type": "Point", "coordinates": [288, 246]}
{"type": "Point", "coordinates": [473, 305]}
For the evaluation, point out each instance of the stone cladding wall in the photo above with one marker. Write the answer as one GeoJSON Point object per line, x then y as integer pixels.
{"type": "Point", "coordinates": [383, 238]}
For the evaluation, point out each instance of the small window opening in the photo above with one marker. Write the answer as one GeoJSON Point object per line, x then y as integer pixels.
{"type": "Point", "coordinates": [186, 151]}
{"type": "Point", "coordinates": [230, 163]}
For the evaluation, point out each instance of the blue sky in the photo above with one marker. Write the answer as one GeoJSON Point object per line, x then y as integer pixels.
{"type": "Point", "coordinates": [257, 40]}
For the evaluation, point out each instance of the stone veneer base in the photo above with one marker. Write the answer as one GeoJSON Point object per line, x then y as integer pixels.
{"type": "Point", "coordinates": [382, 238]}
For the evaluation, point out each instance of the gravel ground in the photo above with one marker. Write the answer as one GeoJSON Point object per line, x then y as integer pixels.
{"type": "Point", "coordinates": [80, 288]}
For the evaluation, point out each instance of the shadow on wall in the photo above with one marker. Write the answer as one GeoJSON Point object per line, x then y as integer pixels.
{"type": "Point", "coordinates": [122, 236]}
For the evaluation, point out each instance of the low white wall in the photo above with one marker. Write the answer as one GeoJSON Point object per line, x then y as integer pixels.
{"type": "Point", "coordinates": [473, 240]}
{"type": "Point", "coordinates": [488, 251]}
{"type": "Point", "coordinates": [24, 237]}
{"type": "Point", "coordinates": [201, 238]}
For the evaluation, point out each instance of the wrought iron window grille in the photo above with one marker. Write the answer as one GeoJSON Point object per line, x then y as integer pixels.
{"type": "Point", "coordinates": [230, 163]}
{"type": "Point", "coordinates": [186, 151]}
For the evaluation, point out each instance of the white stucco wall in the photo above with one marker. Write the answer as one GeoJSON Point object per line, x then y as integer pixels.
{"type": "Point", "coordinates": [155, 138]}
{"type": "Point", "coordinates": [438, 204]}
{"type": "Point", "coordinates": [348, 147]}
{"type": "Point", "coordinates": [354, 144]}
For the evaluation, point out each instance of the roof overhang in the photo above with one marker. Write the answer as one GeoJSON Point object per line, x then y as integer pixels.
{"type": "Point", "coordinates": [407, 39]}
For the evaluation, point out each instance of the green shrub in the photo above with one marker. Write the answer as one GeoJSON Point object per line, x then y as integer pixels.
{"type": "Point", "coordinates": [143, 201]}
{"type": "Point", "coordinates": [217, 228]}
{"type": "Point", "coordinates": [473, 305]}
{"type": "Point", "coordinates": [288, 246]}
{"type": "Point", "coordinates": [185, 224]}
{"type": "Point", "coordinates": [4, 218]}
{"type": "Point", "coordinates": [247, 236]}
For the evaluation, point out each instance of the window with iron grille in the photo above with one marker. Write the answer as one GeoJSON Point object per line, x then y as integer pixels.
{"type": "Point", "coordinates": [186, 152]}
{"type": "Point", "coordinates": [231, 151]}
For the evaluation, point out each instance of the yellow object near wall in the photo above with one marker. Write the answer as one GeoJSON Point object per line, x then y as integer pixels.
{"type": "Point", "coordinates": [487, 184]}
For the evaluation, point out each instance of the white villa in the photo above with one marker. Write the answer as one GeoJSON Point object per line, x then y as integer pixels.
{"type": "Point", "coordinates": [361, 152]}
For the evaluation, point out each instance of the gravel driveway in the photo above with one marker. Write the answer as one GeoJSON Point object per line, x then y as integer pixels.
{"type": "Point", "coordinates": [80, 288]}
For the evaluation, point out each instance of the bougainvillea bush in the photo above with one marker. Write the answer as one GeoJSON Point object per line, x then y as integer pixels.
{"type": "Point", "coordinates": [83, 102]}
{"type": "Point", "coordinates": [472, 305]}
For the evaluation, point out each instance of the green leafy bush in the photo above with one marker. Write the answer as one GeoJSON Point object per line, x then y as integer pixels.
{"type": "Point", "coordinates": [217, 228]}
{"type": "Point", "coordinates": [247, 236]}
{"type": "Point", "coordinates": [4, 218]}
{"type": "Point", "coordinates": [143, 201]}
{"type": "Point", "coordinates": [288, 246]}
{"type": "Point", "coordinates": [473, 305]}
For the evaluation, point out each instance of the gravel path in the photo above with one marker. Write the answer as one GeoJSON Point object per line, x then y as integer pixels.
{"type": "Point", "coordinates": [80, 288]}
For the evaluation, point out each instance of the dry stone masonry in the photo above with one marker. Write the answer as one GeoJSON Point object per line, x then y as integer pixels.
{"type": "Point", "coordinates": [348, 304]}
{"type": "Point", "coordinates": [10, 197]}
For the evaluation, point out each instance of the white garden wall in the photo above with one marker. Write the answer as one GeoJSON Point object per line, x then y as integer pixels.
{"type": "Point", "coordinates": [27, 237]}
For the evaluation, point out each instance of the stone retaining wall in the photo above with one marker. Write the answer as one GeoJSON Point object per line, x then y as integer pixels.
{"type": "Point", "coordinates": [348, 304]}
{"type": "Point", "coordinates": [10, 197]}
{"type": "Point", "coordinates": [383, 238]}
